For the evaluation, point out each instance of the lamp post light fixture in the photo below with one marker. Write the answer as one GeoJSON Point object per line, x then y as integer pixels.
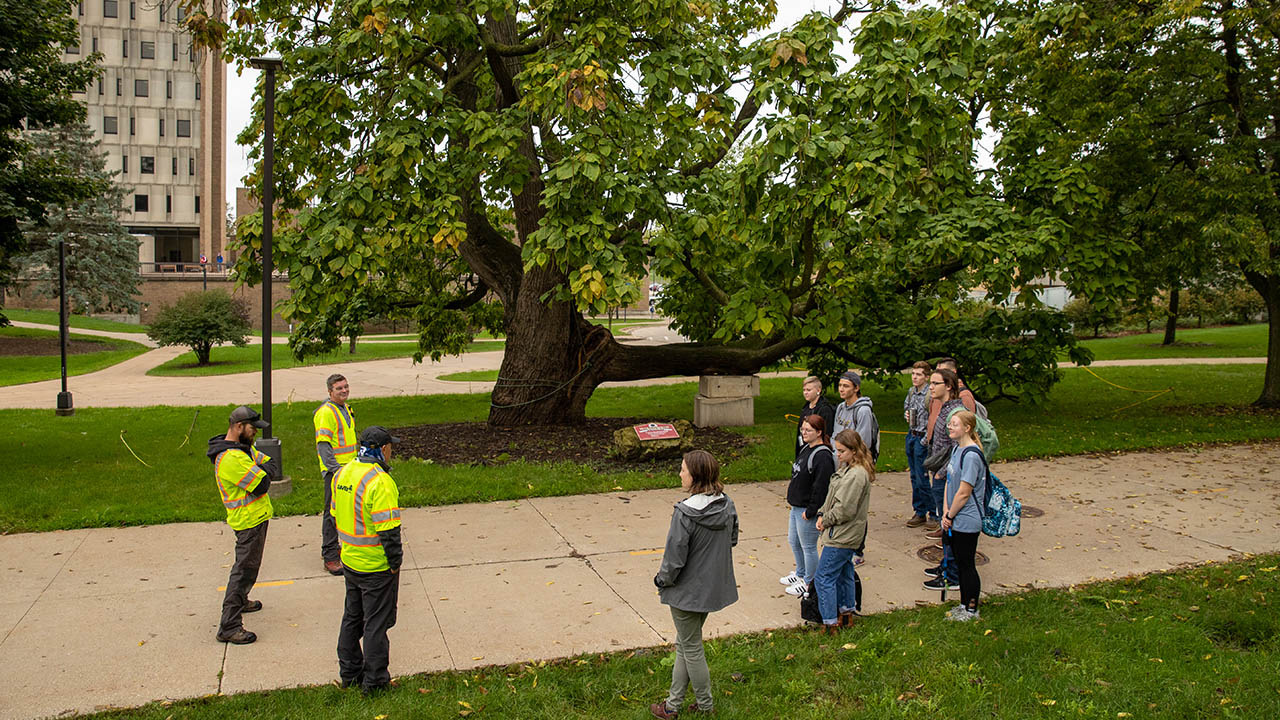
{"type": "Point", "coordinates": [64, 406]}
{"type": "Point", "coordinates": [269, 65]}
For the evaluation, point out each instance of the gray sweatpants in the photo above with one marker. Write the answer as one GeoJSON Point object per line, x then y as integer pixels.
{"type": "Point", "coordinates": [691, 662]}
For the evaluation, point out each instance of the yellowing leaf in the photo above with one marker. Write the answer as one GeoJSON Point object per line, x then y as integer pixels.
{"type": "Point", "coordinates": [465, 704]}
{"type": "Point", "coordinates": [1048, 702]}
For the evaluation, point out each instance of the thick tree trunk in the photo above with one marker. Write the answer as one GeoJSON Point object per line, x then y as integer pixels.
{"type": "Point", "coordinates": [555, 360]}
{"type": "Point", "coordinates": [1269, 288]}
{"type": "Point", "coordinates": [1171, 324]}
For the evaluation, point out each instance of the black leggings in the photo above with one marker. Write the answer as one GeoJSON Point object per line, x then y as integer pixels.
{"type": "Point", "coordinates": [965, 547]}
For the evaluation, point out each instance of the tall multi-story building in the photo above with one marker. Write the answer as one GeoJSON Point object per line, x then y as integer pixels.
{"type": "Point", "coordinates": [159, 109]}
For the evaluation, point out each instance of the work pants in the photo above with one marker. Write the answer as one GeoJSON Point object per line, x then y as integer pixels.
{"type": "Point", "coordinates": [244, 573]}
{"type": "Point", "coordinates": [370, 611]}
{"type": "Point", "coordinates": [329, 549]}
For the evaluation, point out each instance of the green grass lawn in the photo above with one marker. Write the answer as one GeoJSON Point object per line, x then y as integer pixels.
{"type": "Point", "coordinates": [1233, 341]}
{"type": "Point", "coordinates": [77, 472]}
{"type": "Point", "coordinates": [1197, 643]}
{"type": "Point", "coordinates": [18, 369]}
{"type": "Point", "coordinates": [472, 376]}
{"type": "Point", "coordinates": [228, 360]}
{"type": "Point", "coordinates": [50, 317]}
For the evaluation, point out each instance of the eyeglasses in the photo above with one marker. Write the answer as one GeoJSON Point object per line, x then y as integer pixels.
{"type": "Point", "coordinates": [937, 382]}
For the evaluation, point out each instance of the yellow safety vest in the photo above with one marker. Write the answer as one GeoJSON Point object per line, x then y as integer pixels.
{"type": "Point", "coordinates": [336, 425]}
{"type": "Point", "coordinates": [236, 473]}
{"type": "Point", "coordinates": [365, 500]}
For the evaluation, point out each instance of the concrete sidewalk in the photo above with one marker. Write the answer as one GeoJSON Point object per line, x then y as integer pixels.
{"type": "Point", "coordinates": [117, 617]}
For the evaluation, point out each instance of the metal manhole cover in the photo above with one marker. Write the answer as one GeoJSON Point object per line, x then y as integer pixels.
{"type": "Point", "coordinates": [1029, 511]}
{"type": "Point", "coordinates": [932, 554]}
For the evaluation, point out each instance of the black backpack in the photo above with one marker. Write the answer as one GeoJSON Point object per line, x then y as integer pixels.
{"type": "Point", "coordinates": [809, 603]}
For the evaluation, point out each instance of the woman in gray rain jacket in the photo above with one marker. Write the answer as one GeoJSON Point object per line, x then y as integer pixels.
{"type": "Point", "coordinates": [696, 577]}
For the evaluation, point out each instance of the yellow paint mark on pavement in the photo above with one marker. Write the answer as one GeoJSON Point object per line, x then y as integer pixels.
{"type": "Point", "coordinates": [273, 583]}
{"type": "Point", "coordinates": [645, 552]}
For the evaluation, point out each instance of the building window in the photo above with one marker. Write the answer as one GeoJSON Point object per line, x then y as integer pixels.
{"type": "Point", "coordinates": [191, 50]}
{"type": "Point", "coordinates": [119, 84]}
{"type": "Point", "coordinates": [148, 165]}
{"type": "Point", "coordinates": [73, 49]}
{"type": "Point", "coordinates": [161, 127]}
{"type": "Point", "coordinates": [141, 203]}
{"type": "Point", "coordinates": [168, 89]}
{"type": "Point", "coordinates": [133, 127]}
{"type": "Point", "coordinates": [110, 125]}
{"type": "Point", "coordinates": [175, 165]}
{"type": "Point", "coordinates": [168, 203]}
{"type": "Point", "coordinates": [184, 128]}
{"type": "Point", "coordinates": [110, 8]}
{"type": "Point", "coordinates": [175, 52]}
{"type": "Point", "coordinates": [197, 204]}
{"type": "Point", "coordinates": [197, 89]}
{"type": "Point", "coordinates": [124, 163]}
{"type": "Point", "coordinates": [182, 13]}
{"type": "Point", "coordinates": [124, 48]}
{"type": "Point", "coordinates": [95, 44]}
{"type": "Point", "coordinates": [99, 86]}
{"type": "Point", "coordinates": [133, 11]}
{"type": "Point", "coordinates": [140, 88]}
{"type": "Point", "coordinates": [191, 166]}
{"type": "Point", "coordinates": [82, 7]}
{"type": "Point", "coordinates": [148, 50]}
{"type": "Point", "coordinates": [162, 12]}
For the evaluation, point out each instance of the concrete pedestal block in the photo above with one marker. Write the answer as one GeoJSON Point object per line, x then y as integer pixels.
{"type": "Point", "coordinates": [729, 386]}
{"type": "Point", "coordinates": [280, 488]}
{"type": "Point", "coordinates": [723, 411]}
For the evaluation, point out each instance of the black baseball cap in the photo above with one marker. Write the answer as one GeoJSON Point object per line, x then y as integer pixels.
{"type": "Point", "coordinates": [852, 377]}
{"type": "Point", "coordinates": [377, 436]}
{"type": "Point", "coordinates": [244, 413]}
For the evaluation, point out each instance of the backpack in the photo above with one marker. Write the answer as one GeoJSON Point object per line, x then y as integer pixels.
{"type": "Point", "coordinates": [986, 432]}
{"type": "Point", "coordinates": [809, 601]}
{"type": "Point", "coordinates": [875, 447]}
{"type": "Point", "coordinates": [816, 450]}
{"type": "Point", "coordinates": [979, 409]}
{"type": "Point", "coordinates": [1002, 512]}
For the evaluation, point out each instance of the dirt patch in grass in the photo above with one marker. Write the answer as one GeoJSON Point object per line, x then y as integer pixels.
{"type": "Point", "coordinates": [586, 444]}
{"type": "Point", "coordinates": [31, 346]}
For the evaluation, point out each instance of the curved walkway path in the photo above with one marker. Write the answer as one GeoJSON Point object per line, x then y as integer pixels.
{"type": "Point", "coordinates": [113, 617]}
{"type": "Point", "coordinates": [128, 385]}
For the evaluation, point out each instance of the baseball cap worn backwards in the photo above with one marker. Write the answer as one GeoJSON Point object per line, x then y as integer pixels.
{"type": "Point", "coordinates": [377, 436]}
{"type": "Point", "coordinates": [244, 413]}
{"type": "Point", "coordinates": [852, 377]}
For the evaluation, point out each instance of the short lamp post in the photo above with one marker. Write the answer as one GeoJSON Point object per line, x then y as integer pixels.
{"type": "Point", "coordinates": [64, 406]}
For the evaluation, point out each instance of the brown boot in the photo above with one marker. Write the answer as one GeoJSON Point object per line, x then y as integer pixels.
{"type": "Point", "coordinates": [846, 619]}
{"type": "Point", "coordinates": [831, 629]}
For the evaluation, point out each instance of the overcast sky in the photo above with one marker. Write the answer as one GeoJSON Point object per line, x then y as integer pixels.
{"type": "Point", "coordinates": [240, 93]}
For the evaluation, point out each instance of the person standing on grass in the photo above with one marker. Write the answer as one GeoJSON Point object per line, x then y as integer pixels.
{"type": "Point", "coordinates": [944, 387]}
{"type": "Point", "coordinates": [366, 511]}
{"type": "Point", "coordinates": [915, 410]}
{"type": "Point", "coordinates": [335, 425]}
{"type": "Point", "coordinates": [810, 474]}
{"type": "Point", "coordinates": [243, 484]}
{"type": "Point", "coordinates": [696, 577]}
{"type": "Point", "coordinates": [815, 403]}
{"type": "Point", "coordinates": [966, 494]}
{"type": "Point", "coordinates": [842, 527]}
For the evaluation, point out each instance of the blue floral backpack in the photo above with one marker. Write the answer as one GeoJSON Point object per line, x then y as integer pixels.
{"type": "Point", "coordinates": [1002, 512]}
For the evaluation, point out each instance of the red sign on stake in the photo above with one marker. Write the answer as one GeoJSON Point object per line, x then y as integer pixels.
{"type": "Point", "coordinates": [657, 431]}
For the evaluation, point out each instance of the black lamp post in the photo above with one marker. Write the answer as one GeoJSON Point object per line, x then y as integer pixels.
{"type": "Point", "coordinates": [269, 65]}
{"type": "Point", "coordinates": [64, 406]}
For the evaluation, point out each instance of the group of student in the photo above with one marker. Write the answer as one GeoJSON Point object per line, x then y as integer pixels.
{"type": "Point", "coordinates": [829, 495]}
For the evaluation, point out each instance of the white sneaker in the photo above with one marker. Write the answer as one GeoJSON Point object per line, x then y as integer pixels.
{"type": "Point", "coordinates": [799, 589]}
{"type": "Point", "coordinates": [791, 579]}
{"type": "Point", "coordinates": [961, 613]}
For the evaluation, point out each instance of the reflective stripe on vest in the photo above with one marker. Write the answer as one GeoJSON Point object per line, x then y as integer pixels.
{"type": "Point", "coordinates": [345, 444]}
{"type": "Point", "coordinates": [242, 502]}
{"type": "Point", "coordinates": [385, 515]}
{"type": "Point", "coordinates": [358, 500]}
{"type": "Point", "coordinates": [361, 540]}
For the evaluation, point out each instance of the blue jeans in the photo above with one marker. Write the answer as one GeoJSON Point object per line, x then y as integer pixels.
{"type": "Point", "coordinates": [921, 500]}
{"type": "Point", "coordinates": [836, 584]}
{"type": "Point", "coordinates": [803, 536]}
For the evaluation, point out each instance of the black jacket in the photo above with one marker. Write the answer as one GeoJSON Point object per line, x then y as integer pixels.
{"type": "Point", "coordinates": [809, 489]}
{"type": "Point", "coordinates": [824, 409]}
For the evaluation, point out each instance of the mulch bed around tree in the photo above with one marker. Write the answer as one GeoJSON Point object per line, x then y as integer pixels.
{"type": "Point", "coordinates": [587, 444]}
{"type": "Point", "coordinates": [29, 346]}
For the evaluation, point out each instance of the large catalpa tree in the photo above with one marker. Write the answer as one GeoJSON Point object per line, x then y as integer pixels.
{"type": "Point", "coordinates": [520, 164]}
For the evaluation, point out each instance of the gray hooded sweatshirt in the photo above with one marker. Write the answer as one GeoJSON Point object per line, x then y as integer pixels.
{"type": "Point", "coordinates": [697, 565]}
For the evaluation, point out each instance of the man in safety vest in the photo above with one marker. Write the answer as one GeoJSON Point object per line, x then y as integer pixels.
{"type": "Point", "coordinates": [335, 446]}
{"type": "Point", "coordinates": [366, 510]}
{"type": "Point", "coordinates": [242, 483]}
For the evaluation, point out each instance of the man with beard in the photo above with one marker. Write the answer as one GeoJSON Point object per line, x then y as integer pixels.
{"type": "Point", "coordinates": [243, 483]}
